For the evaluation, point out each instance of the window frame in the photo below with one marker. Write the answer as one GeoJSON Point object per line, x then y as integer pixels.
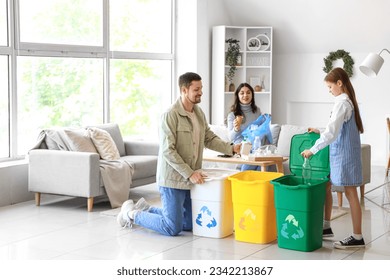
{"type": "Point", "coordinates": [17, 48]}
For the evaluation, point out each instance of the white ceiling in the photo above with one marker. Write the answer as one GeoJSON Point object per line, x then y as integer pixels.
{"type": "Point", "coordinates": [316, 26]}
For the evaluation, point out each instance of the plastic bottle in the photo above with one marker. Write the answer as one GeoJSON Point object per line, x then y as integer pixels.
{"type": "Point", "coordinates": [256, 144]}
{"type": "Point", "coordinates": [306, 171]}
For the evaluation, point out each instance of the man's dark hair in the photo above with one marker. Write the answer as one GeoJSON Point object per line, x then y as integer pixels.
{"type": "Point", "coordinates": [186, 79]}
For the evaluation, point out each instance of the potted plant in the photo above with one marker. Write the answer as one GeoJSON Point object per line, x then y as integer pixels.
{"type": "Point", "coordinates": [232, 59]}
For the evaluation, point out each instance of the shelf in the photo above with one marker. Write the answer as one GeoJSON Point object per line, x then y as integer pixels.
{"type": "Point", "coordinates": [256, 52]}
{"type": "Point", "coordinates": [255, 69]}
{"type": "Point", "coordinates": [258, 67]}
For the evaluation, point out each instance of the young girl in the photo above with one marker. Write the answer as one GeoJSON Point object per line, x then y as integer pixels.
{"type": "Point", "coordinates": [342, 134]}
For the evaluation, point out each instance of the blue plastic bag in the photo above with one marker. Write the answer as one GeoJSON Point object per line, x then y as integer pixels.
{"type": "Point", "coordinates": [260, 127]}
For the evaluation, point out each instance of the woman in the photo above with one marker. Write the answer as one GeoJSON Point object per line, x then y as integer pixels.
{"type": "Point", "coordinates": [242, 113]}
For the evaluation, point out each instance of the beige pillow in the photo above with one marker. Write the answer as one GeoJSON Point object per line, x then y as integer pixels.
{"type": "Point", "coordinates": [104, 143]}
{"type": "Point", "coordinates": [79, 141]}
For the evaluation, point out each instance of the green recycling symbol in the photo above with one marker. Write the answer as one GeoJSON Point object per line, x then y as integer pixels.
{"type": "Point", "coordinates": [291, 228]}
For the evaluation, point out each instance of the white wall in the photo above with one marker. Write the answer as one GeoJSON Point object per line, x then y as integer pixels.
{"type": "Point", "coordinates": [13, 183]}
{"type": "Point", "coordinates": [193, 50]}
{"type": "Point", "coordinates": [304, 33]}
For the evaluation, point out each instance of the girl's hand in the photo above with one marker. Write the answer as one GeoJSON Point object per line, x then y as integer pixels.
{"type": "Point", "coordinates": [315, 130]}
{"type": "Point", "coordinates": [306, 153]}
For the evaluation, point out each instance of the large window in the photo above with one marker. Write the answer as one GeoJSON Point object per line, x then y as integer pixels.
{"type": "Point", "coordinates": [139, 91]}
{"type": "Point", "coordinates": [141, 26]}
{"type": "Point", "coordinates": [83, 62]}
{"type": "Point", "coordinates": [71, 22]}
{"type": "Point", "coordinates": [4, 112]}
{"type": "Point", "coordinates": [57, 92]}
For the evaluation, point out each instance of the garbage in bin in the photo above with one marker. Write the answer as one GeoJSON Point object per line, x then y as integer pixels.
{"type": "Point", "coordinates": [212, 209]}
{"type": "Point", "coordinates": [253, 206]}
{"type": "Point", "coordinates": [300, 205]}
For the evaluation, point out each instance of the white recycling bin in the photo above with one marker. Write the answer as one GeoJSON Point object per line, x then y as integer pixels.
{"type": "Point", "coordinates": [212, 206]}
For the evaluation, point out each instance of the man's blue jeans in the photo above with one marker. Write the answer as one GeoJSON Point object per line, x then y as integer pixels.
{"type": "Point", "coordinates": [174, 216]}
{"type": "Point", "coordinates": [245, 167]}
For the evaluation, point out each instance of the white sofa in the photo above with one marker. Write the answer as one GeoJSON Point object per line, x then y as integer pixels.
{"type": "Point", "coordinates": [281, 136]}
{"type": "Point", "coordinates": [71, 172]}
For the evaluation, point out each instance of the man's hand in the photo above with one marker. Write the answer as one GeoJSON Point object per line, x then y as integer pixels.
{"type": "Point", "coordinates": [237, 148]}
{"type": "Point", "coordinates": [198, 177]}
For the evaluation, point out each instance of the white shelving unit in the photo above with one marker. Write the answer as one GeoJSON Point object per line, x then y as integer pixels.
{"type": "Point", "coordinates": [255, 68]}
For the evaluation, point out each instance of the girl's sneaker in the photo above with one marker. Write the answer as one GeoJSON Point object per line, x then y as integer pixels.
{"type": "Point", "coordinates": [349, 242]}
{"type": "Point", "coordinates": [327, 232]}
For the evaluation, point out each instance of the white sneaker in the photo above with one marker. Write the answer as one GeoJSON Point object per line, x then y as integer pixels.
{"type": "Point", "coordinates": [123, 219]}
{"type": "Point", "coordinates": [142, 205]}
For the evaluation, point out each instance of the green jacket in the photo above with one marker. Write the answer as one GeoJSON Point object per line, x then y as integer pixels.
{"type": "Point", "coordinates": [175, 160]}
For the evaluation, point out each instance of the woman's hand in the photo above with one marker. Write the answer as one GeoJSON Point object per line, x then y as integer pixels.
{"type": "Point", "coordinates": [237, 123]}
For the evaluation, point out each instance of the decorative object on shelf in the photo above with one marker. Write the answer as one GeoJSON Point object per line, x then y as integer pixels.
{"type": "Point", "coordinates": [258, 88]}
{"type": "Point", "coordinates": [260, 42]}
{"type": "Point", "coordinates": [262, 85]}
{"type": "Point", "coordinates": [232, 57]}
{"type": "Point", "coordinates": [372, 64]}
{"type": "Point", "coordinates": [255, 83]}
{"type": "Point", "coordinates": [239, 60]}
{"type": "Point", "coordinates": [339, 54]}
{"type": "Point", "coordinates": [253, 44]}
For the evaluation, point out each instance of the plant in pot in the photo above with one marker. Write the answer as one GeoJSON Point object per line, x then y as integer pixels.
{"type": "Point", "coordinates": [232, 59]}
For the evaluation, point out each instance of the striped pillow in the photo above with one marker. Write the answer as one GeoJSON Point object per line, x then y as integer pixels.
{"type": "Point", "coordinates": [104, 143]}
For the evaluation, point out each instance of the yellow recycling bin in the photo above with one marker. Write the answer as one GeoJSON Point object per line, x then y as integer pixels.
{"type": "Point", "coordinates": [253, 206]}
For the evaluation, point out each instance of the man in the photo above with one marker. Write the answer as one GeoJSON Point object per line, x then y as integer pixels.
{"type": "Point", "coordinates": [183, 135]}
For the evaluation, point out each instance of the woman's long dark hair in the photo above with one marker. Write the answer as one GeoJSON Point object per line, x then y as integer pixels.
{"type": "Point", "coordinates": [236, 107]}
{"type": "Point", "coordinates": [339, 74]}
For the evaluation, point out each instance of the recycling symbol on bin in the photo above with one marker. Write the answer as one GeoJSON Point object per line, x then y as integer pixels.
{"type": "Point", "coordinates": [248, 221]}
{"type": "Point", "coordinates": [204, 217]}
{"type": "Point", "coordinates": [290, 228]}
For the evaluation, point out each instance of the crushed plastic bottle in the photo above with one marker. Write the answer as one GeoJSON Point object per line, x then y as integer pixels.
{"type": "Point", "coordinates": [306, 171]}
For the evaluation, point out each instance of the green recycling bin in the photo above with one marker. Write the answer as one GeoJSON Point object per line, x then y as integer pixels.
{"type": "Point", "coordinates": [300, 205]}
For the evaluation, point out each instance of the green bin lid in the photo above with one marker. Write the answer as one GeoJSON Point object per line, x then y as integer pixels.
{"type": "Point", "coordinates": [319, 162]}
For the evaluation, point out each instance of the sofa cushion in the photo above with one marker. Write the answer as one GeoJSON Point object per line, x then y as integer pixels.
{"type": "Point", "coordinates": [79, 141]}
{"type": "Point", "coordinates": [286, 133]}
{"type": "Point", "coordinates": [275, 131]}
{"type": "Point", "coordinates": [104, 143]}
{"type": "Point", "coordinates": [116, 135]}
{"type": "Point", "coordinates": [144, 166]}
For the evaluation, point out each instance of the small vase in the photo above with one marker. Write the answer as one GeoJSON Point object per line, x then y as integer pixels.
{"type": "Point", "coordinates": [232, 87]}
{"type": "Point", "coordinates": [262, 86]}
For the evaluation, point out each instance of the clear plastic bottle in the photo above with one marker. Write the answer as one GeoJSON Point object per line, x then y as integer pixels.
{"type": "Point", "coordinates": [256, 144]}
{"type": "Point", "coordinates": [306, 171]}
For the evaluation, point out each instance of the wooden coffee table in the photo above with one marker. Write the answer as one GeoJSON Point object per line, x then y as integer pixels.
{"type": "Point", "coordinates": [263, 161]}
